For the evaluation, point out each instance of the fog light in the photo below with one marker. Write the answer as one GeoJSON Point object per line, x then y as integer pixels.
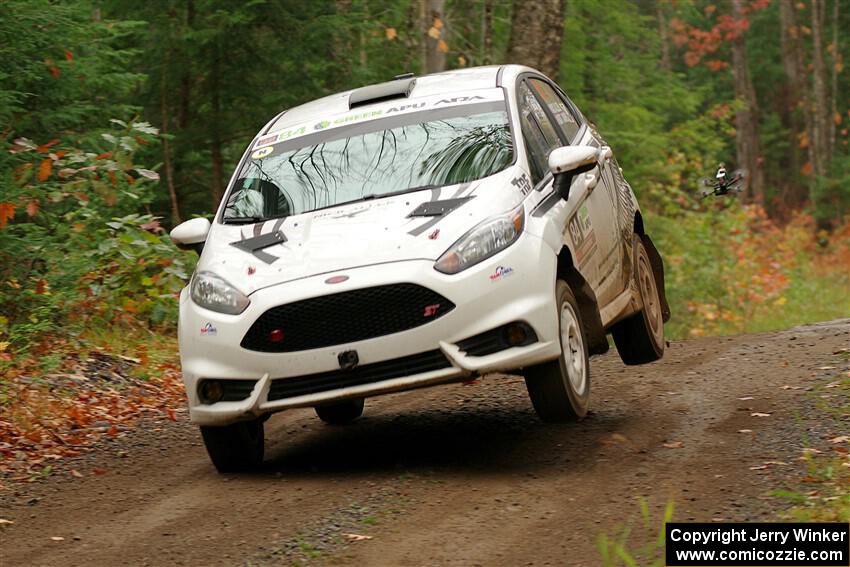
{"type": "Point", "coordinates": [516, 334]}
{"type": "Point", "coordinates": [276, 336]}
{"type": "Point", "coordinates": [210, 391]}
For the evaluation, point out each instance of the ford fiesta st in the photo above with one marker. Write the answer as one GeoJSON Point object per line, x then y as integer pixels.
{"type": "Point", "coordinates": [411, 233]}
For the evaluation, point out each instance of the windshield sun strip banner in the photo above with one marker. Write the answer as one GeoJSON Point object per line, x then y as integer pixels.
{"type": "Point", "coordinates": [386, 123]}
{"type": "Point", "coordinates": [393, 108]}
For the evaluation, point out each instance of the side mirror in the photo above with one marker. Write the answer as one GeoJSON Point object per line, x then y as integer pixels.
{"type": "Point", "coordinates": [567, 161]}
{"type": "Point", "coordinates": [191, 234]}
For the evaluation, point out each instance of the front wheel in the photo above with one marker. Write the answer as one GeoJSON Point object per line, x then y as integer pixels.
{"type": "Point", "coordinates": [560, 389]}
{"type": "Point", "coordinates": [342, 412]}
{"type": "Point", "coordinates": [640, 338]}
{"type": "Point", "coordinates": [235, 448]}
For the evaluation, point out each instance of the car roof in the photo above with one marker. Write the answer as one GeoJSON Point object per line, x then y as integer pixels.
{"type": "Point", "coordinates": [427, 85]}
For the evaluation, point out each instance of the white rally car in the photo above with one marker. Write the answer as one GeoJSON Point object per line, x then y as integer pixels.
{"type": "Point", "coordinates": [412, 233]}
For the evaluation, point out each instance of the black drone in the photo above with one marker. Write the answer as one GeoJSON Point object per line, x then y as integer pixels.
{"type": "Point", "coordinates": [722, 184]}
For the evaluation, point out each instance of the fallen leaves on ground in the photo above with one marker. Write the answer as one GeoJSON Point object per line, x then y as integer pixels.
{"type": "Point", "coordinates": [759, 414]}
{"type": "Point", "coordinates": [674, 445]}
{"type": "Point", "coordinates": [357, 537]}
{"type": "Point", "coordinates": [46, 418]}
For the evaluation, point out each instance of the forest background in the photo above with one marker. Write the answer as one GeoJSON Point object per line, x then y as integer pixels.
{"type": "Point", "coordinates": [120, 119]}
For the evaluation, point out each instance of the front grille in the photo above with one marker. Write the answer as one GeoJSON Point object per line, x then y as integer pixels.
{"type": "Point", "coordinates": [367, 374]}
{"type": "Point", "coordinates": [345, 317]}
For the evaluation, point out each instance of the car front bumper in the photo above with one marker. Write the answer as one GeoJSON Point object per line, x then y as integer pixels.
{"type": "Point", "coordinates": [484, 300]}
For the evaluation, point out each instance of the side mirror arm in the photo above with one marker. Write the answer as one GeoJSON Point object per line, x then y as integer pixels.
{"type": "Point", "coordinates": [563, 181]}
{"type": "Point", "coordinates": [198, 247]}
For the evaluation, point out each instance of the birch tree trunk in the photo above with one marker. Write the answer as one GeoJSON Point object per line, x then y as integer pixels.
{"type": "Point", "coordinates": [537, 28]}
{"type": "Point", "coordinates": [820, 109]}
{"type": "Point", "coordinates": [435, 36]}
{"type": "Point", "coordinates": [747, 140]}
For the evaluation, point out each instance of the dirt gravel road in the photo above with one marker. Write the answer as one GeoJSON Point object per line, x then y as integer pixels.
{"type": "Point", "coordinates": [456, 475]}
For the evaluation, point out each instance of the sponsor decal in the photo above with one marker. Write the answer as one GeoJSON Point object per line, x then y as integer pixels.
{"type": "Point", "coordinates": [336, 279]}
{"type": "Point", "coordinates": [404, 107]}
{"type": "Point", "coordinates": [522, 183]}
{"type": "Point", "coordinates": [348, 119]}
{"type": "Point", "coordinates": [582, 235]}
{"type": "Point", "coordinates": [262, 152]}
{"type": "Point", "coordinates": [435, 234]}
{"type": "Point", "coordinates": [208, 330]}
{"type": "Point", "coordinates": [431, 310]}
{"type": "Point", "coordinates": [252, 270]}
{"type": "Point", "coordinates": [266, 141]}
{"type": "Point", "coordinates": [500, 273]}
{"type": "Point", "coordinates": [458, 99]}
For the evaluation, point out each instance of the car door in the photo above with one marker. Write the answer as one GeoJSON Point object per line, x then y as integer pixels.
{"type": "Point", "coordinates": [593, 229]}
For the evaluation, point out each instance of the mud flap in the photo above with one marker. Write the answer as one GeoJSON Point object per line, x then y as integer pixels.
{"type": "Point", "coordinates": [658, 270]}
{"type": "Point", "coordinates": [597, 341]}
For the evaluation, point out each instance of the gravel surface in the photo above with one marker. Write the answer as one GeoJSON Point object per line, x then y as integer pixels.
{"type": "Point", "coordinates": [454, 475]}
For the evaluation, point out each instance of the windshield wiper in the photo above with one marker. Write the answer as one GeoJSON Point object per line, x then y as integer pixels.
{"type": "Point", "coordinates": [243, 220]}
{"type": "Point", "coordinates": [372, 196]}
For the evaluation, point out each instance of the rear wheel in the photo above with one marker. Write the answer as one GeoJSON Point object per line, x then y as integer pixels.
{"type": "Point", "coordinates": [339, 413]}
{"type": "Point", "coordinates": [235, 448]}
{"type": "Point", "coordinates": [560, 389]}
{"type": "Point", "coordinates": [640, 338]}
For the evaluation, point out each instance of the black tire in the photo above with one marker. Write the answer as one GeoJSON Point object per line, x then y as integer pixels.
{"type": "Point", "coordinates": [640, 338]}
{"type": "Point", "coordinates": [342, 412]}
{"type": "Point", "coordinates": [235, 448]}
{"type": "Point", "coordinates": [560, 389]}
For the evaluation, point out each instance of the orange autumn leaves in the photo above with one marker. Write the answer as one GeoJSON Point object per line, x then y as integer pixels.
{"type": "Point", "coordinates": [22, 173]}
{"type": "Point", "coordinates": [68, 412]}
{"type": "Point", "coordinates": [701, 43]}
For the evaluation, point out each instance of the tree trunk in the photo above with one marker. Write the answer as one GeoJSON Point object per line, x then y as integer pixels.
{"type": "Point", "coordinates": [487, 33]}
{"type": "Point", "coordinates": [186, 80]}
{"type": "Point", "coordinates": [435, 36]}
{"type": "Point", "coordinates": [746, 120]}
{"type": "Point", "coordinates": [537, 27]}
{"type": "Point", "coordinates": [363, 54]}
{"type": "Point", "coordinates": [821, 109]}
{"type": "Point", "coordinates": [834, 91]}
{"type": "Point", "coordinates": [166, 146]}
{"type": "Point", "coordinates": [216, 187]}
{"type": "Point", "coordinates": [795, 114]}
{"type": "Point", "coordinates": [663, 36]}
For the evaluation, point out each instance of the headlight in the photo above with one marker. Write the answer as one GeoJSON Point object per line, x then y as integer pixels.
{"type": "Point", "coordinates": [481, 242]}
{"type": "Point", "coordinates": [214, 293]}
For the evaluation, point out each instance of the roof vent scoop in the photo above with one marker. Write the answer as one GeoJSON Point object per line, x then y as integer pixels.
{"type": "Point", "coordinates": [400, 88]}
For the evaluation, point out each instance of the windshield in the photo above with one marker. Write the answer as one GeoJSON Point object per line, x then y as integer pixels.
{"type": "Point", "coordinates": [373, 159]}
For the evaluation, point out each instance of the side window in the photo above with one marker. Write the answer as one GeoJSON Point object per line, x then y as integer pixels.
{"type": "Point", "coordinates": [537, 131]}
{"type": "Point", "coordinates": [563, 116]}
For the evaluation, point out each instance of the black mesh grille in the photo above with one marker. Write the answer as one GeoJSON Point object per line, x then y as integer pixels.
{"type": "Point", "coordinates": [346, 317]}
{"type": "Point", "coordinates": [367, 374]}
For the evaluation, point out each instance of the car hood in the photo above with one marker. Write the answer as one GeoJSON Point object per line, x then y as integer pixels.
{"type": "Point", "coordinates": [354, 235]}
